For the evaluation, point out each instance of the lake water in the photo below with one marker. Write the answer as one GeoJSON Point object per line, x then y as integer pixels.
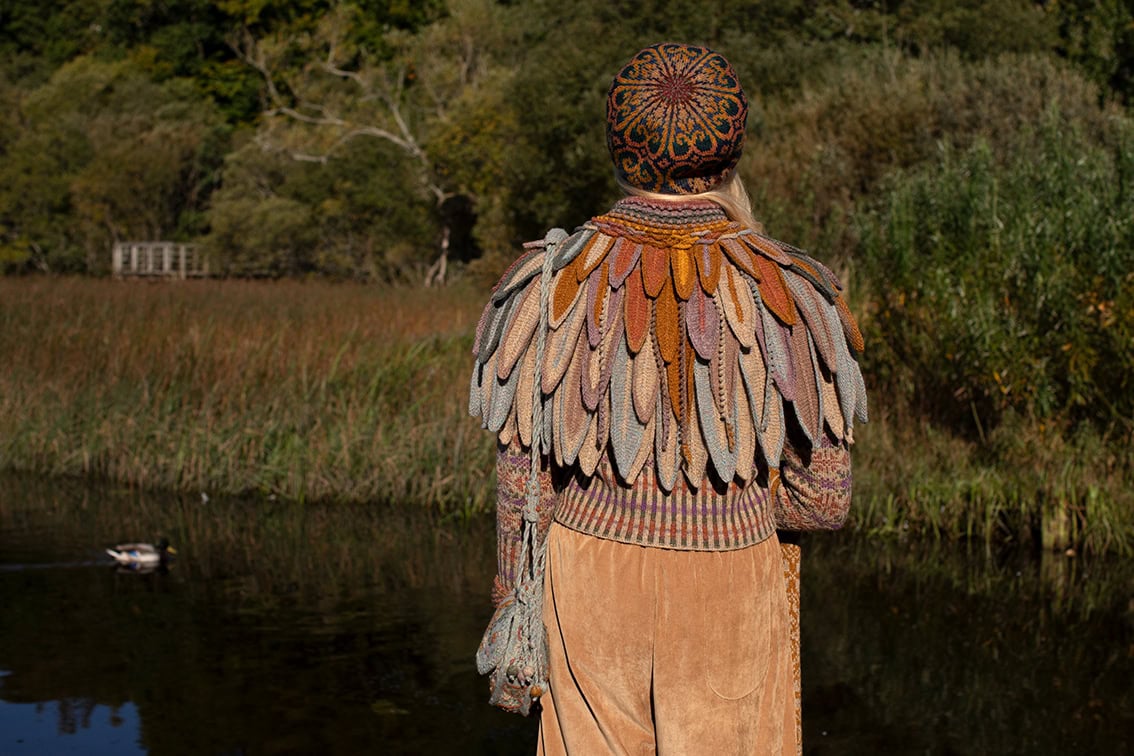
{"type": "Point", "coordinates": [284, 629]}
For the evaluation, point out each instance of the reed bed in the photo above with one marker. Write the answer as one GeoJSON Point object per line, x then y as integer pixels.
{"type": "Point", "coordinates": [300, 392]}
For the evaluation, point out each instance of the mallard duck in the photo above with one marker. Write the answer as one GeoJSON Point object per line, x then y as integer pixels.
{"type": "Point", "coordinates": [142, 554]}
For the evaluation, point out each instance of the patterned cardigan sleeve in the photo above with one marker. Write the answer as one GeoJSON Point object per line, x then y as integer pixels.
{"type": "Point", "coordinates": [813, 489]}
{"type": "Point", "coordinates": [512, 466]}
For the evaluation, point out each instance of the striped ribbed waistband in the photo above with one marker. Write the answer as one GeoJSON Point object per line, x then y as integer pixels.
{"type": "Point", "coordinates": [693, 520]}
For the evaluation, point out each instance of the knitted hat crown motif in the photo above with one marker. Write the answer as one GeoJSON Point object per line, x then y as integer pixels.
{"type": "Point", "coordinates": [675, 118]}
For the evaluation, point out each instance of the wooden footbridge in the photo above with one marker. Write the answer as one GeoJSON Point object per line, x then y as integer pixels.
{"type": "Point", "coordinates": [159, 259]}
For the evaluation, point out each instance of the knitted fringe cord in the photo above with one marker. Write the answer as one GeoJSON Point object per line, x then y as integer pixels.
{"type": "Point", "coordinates": [514, 647]}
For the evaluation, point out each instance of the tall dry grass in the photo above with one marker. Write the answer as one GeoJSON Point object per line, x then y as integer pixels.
{"type": "Point", "coordinates": [316, 391]}
{"type": "Point", "coordinates": [303, 390]}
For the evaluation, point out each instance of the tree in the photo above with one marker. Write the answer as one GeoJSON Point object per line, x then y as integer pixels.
{"type": "Point", "coordinates": [102, 154]}
{"type": "Point", "coordinates": [340, 81]}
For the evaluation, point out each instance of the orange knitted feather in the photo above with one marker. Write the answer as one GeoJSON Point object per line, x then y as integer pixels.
{"type": "Point", "coordinates": [667, 324]}
{"type": "Point", "coordinates": [684, 272]}
{"type": "Point", "coordinates": [850, 326]}
{"type": "Point", "coordinates": [655, 270]}
{"type": "Point", "coordinates": [637, 307]}
{"type": "Point", "coordinates": [774, 291]}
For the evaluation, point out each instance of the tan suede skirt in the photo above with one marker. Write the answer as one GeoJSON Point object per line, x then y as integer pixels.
{"type": "Point", "coordinates": [664, 651]}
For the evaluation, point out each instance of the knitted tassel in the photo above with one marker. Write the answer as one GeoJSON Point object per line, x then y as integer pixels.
{"type": "Point", "coordinates": [514, 647]}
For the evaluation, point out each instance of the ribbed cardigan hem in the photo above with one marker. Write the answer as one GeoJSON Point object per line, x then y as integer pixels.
{"type": "Point", "coordinates": [684, 519]}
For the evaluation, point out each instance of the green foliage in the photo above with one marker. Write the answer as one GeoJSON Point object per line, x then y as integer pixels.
{"type": "Point", "coordinates": [1006, 285]}
{"type": "Point", "coordinates": [102, 153]}
{"type": "Point", "coordinates": [351, 218]}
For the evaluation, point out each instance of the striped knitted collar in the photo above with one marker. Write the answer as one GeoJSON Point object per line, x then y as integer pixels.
{"type": "Point", "coordinates": [667, 212]}
{"type": "Point", "coordinates": [673, 225]}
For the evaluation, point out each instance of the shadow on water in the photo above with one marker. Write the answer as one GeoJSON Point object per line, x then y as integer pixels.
{"type": "Point", "coordinates": [333, 629]}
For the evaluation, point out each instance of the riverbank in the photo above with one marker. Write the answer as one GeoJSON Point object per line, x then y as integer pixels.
{"type": "Point", "coordinates": [312, 391]}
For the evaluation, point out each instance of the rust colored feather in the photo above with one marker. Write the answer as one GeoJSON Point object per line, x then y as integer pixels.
{"type": "Point", "coordinates": [655, 270]}
{"type": "Point", "coordinates": [563, 298]}
{"type": "Point", "coordinates": [684, 272]}
{"type": "Point", "coordinates": [637, 312]}
{"type": "Point", "coordinates": [850, 326]}
{"type": "Point", "coordinates": [806, 399]}
{"type": "Point", "coordinates": [768, 248]}
{"type": "Point", "coordinates": [623, 260]}
{"type": "Point", "coordinates": [708, 266]}
{"type": "Point", "coordinates": [774, 291]}
{"type": "Point", "coordinates": [667, 324]}
{"type": "Point", "coordinates": [740, 256]}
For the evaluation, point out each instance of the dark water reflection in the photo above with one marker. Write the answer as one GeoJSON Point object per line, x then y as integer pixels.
{"type": "Point", "coordinates": [289, 629]}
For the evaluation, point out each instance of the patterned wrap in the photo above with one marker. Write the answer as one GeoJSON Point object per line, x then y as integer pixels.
{"type": "Point", "coordinates": [675, 119]}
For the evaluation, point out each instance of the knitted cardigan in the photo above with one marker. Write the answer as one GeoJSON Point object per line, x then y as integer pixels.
{"type": "Point", "coordinates": [697, 389]}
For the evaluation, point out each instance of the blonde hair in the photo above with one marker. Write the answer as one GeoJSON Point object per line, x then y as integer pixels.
{"type": "Point", "coordinates": [730, 194]}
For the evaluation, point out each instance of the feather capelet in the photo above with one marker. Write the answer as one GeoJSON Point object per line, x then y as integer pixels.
{"type": "Point", "coordinates": [675, 338]}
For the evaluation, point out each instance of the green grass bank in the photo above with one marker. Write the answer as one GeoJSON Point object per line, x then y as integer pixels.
{"type": "Point", "coordinates": [311, 391]}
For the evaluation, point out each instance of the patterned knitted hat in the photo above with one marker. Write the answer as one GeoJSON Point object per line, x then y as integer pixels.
{"type": "Point", "coordinates": [675, 119]}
